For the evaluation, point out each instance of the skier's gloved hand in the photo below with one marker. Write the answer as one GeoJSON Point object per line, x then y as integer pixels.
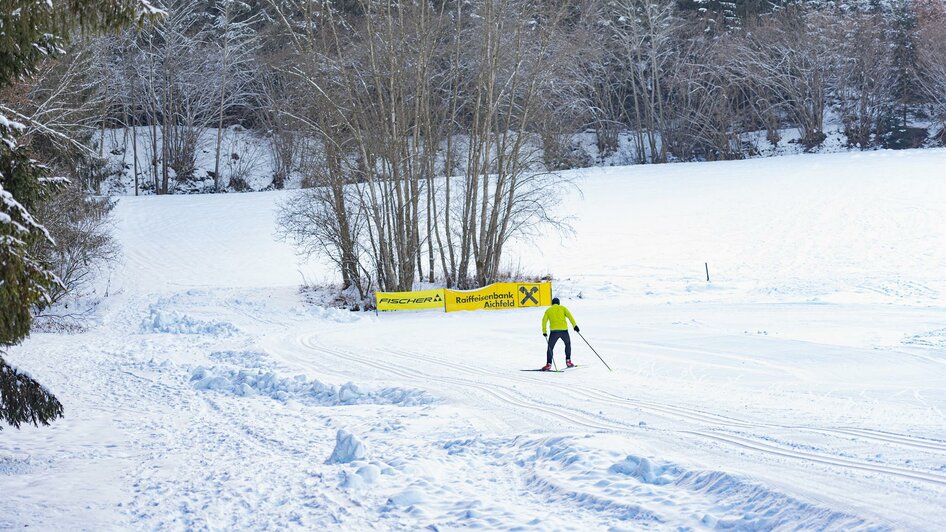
{"type": "Point", "coordinates": [545, 335]}
{"type": "Point", "coordinates": [576, 329]}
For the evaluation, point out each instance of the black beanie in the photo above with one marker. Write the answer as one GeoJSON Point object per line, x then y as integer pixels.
{"type": "Point", "coordinates": [555, 301]}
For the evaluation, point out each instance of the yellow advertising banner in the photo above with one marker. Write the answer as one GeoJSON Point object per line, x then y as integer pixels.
{"type": "Point", "coordinates": [419, 300]}
{"type": "Point", "coordinates": [498, 296]}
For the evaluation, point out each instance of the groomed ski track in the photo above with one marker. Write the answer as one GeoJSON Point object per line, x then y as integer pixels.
{"type": "Point", "coordinates": [574, 412]}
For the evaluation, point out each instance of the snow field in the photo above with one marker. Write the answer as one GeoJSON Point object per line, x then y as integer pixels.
{"type": "Point", "coordinates": [847, 228]}
{"type": "Point", "coordinates": [201, 450]}
{"type": "Point", "coordinates": [803, 388]}
{"type": "Point", "coordinates": [737, 414]}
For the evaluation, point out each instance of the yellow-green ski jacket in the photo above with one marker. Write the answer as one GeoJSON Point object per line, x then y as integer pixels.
{"type": "Point", "coordinates": [555, 315]}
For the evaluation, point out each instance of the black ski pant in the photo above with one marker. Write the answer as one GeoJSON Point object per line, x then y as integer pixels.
{"type": "Point", "coordinates": [553, 339]}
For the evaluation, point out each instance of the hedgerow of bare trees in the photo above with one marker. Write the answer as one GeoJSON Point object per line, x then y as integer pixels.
{"type": "Point", "coordinates": [403, 96]}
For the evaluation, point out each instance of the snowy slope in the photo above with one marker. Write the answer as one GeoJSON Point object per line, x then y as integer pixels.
{"type": "Point", "coordinates": [804, 387]}
{"type": "Point", "coordinates": [247, 157]}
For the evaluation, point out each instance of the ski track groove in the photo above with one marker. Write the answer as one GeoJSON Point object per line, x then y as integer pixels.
{"type": "Point", "coordinates": [818, 458]}
{"type": "Point", "coordinates": [502, 396]}
{"type": "Point", "coordinates": [898, 439]}
{"type": "Point", "coordinates": [706, 417]}
{"type": "Point", "coordinates": [309, 342]}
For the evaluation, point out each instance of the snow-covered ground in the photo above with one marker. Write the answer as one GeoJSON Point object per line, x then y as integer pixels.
{"type": "Point", "coordinates": [804, 387]}
{"type": "Point", "coordinates": [247, 158]}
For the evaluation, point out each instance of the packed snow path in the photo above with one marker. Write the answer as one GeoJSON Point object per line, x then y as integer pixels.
{"type": "Point", "coordinates": [804, 387]}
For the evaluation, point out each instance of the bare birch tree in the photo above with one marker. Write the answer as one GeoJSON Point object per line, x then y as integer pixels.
{"type": "Point", "coordinates": [395, 89]}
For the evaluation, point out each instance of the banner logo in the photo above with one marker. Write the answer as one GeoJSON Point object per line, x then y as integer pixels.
{"type": "Point", "coordinates": [419, 300]}
{"type": "Point", "coordinates": [529, 293]}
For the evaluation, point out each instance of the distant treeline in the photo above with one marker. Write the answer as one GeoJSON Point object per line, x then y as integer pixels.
{"type": "Point", "coordinates": [685, 78]}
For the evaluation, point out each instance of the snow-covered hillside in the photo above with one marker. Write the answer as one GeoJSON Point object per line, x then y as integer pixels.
{"type": "Point", "coordinates": [803, 387]}
{"type": "Point", "coordinates": [247, 158]}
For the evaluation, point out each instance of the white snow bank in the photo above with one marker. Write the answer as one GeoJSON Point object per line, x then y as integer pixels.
{"type": "Point", "coordinates": [370, 473]}
{"type": "Point", "coordinates": [644, 470]}
{"type": "Point", "coordinates": [243, 359]}
{"type": "Point", "coordinates": [408, 497]}
{"type": "Point", "coordinates": [171, 322]}
{"type": "Point", "coordinates": [348, 448]}
{"type": "Point", "coordinates": [14, 464]}
{"type": "Point", "coordinates": [650, 490]}
{"type": "Point", "coordinates": [935, 339]}
{"type": "Point", "coordinates": [364, 477]}
{"type": "Point", "coordinates": [245, 383]}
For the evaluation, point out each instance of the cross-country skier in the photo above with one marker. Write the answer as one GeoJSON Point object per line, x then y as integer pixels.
{"type": "Point", "coordinates": [555, 316]}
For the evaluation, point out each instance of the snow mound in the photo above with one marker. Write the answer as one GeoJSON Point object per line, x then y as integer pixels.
{"type": "Point", "coordinates": [408, 497]}
{"type": "Point", "coordinates": [558, 449]}
{"type": "Point", "coordinates": [348, 448]}
{"type": "Point", "coordinates": [935, 339]}
{"type": "Point", "coordinates": [14, 464]}
{"type": "Point", "coordinates": [370, 473]}
{"type": "Point", "coordinates": [336, 315]}
{"type": "Point", "coordinates": [244, 359]}
{"type": "Point", "coordinates": [645, 471]}
{"type": "Point", "coordinates": [365, 476]}
{"type": "Point", "coordinates": [650, 492]}
{"type": "Point", "coordinates": [267, 383]}
{"type": "Point", "coordinates": [170, 322]}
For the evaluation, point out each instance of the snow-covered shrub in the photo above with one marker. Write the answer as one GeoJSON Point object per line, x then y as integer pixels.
{"type": "Point", "coordinates": [82, 242]}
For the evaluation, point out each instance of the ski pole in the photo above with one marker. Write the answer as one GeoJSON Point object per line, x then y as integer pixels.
{"type": "Point", "coordinates": [595, 352]}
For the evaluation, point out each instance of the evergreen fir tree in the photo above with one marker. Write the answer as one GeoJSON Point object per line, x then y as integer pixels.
{"type": "Point", "coordinates": [30, 31]}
